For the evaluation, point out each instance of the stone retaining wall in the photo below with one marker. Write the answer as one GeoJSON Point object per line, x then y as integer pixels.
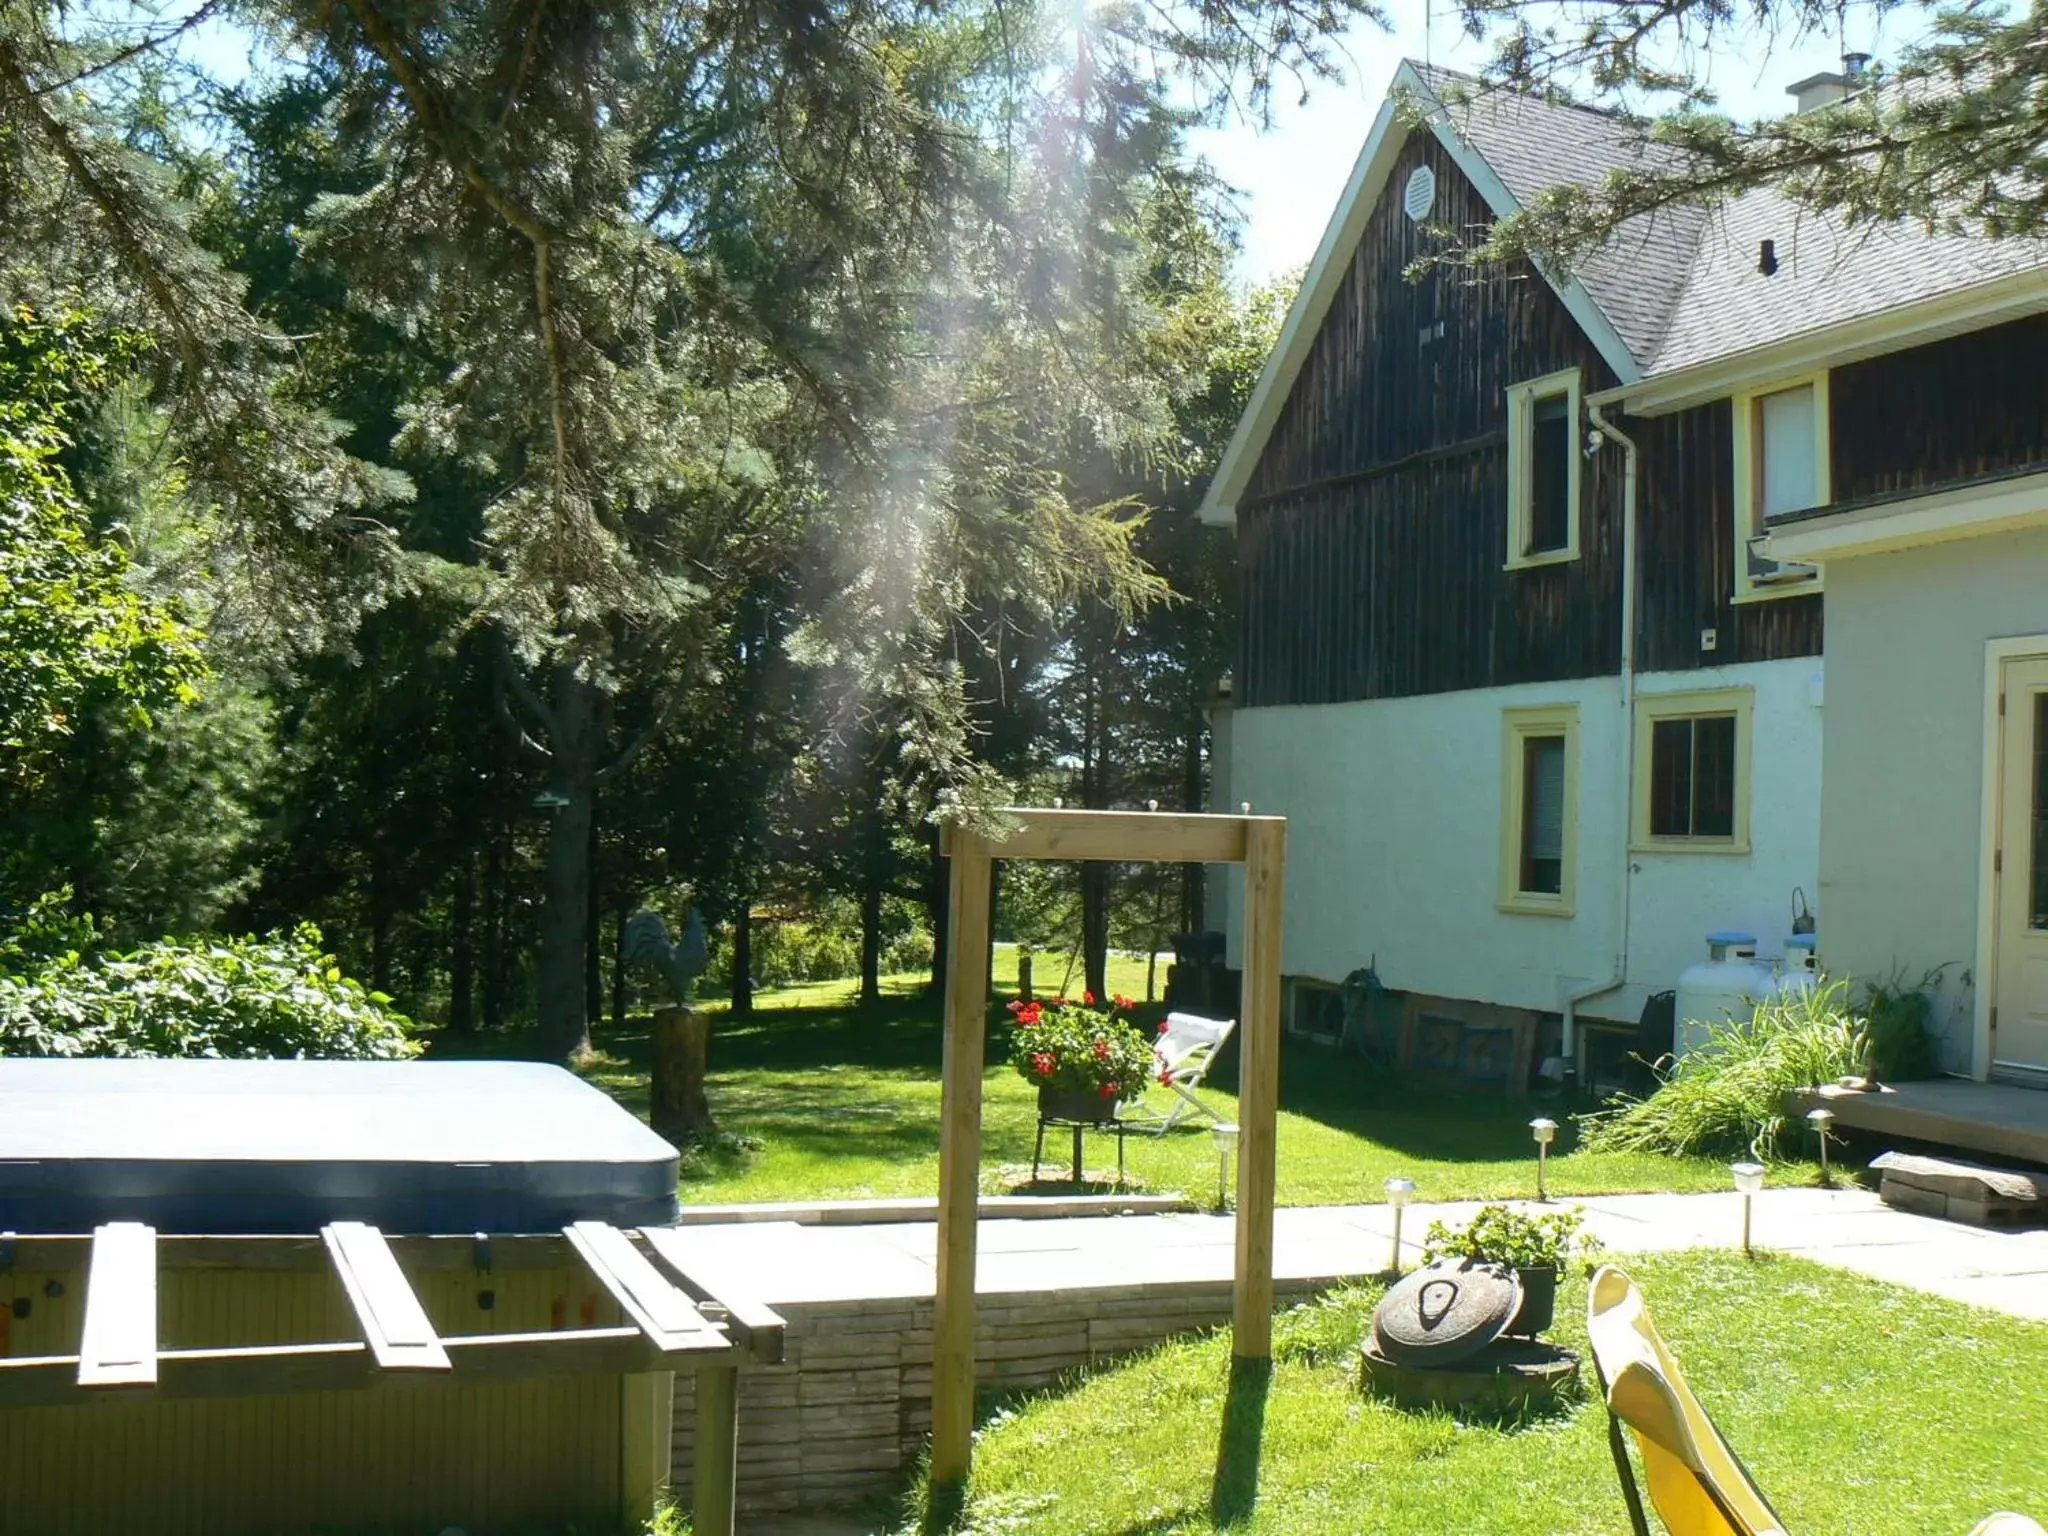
{"type": "Point", "coordinates": [846, 1416]}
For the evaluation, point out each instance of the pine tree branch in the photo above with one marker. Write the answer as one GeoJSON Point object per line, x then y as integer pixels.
{"type": "Point", "coordinates": [133, 50]}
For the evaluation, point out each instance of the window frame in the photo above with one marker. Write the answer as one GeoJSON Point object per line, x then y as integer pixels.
{"type": "Point", "coordinates": [1653, 707]}
{"type": "Point", "coordinates": [1522, 399]}
{"type": "Point", "coordinates": [1747, 515]}
{"type": "Point", "coordinates": [1518, 726]}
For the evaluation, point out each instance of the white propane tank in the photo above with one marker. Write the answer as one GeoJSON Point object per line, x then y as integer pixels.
{"type": "Point", "coordinates": [1722, 988]}
{"type": "Point", "coordinates": [1801, 973]}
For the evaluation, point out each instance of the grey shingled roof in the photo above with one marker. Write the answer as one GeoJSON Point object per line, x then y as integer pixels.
{"type": "Point", "coordinates": [1534, 145]}
{"type": "Point", "coordinates": [1682, 287]}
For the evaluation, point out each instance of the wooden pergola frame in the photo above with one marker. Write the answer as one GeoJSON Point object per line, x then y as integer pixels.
{"type": "Point", "coordinates": [1259, 843]}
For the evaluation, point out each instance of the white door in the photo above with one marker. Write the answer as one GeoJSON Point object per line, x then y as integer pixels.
{"type": "Point", "coordinates": [2019, 1033]}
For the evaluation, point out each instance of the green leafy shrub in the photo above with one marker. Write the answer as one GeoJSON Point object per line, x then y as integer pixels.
{"type": "Point", "coordinates": [1900, 1015]}
{"type": "Point", "coordinates": [279, 995]}
{"type": "Point", "coordinates": [1082, 1048]}
{"type": "Point", "coordinates": [1498, 1235]}
{"type": "Point", "coordinates": [1730, 1096]}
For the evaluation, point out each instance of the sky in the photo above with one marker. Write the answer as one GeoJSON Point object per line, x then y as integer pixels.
{"type": "Point", "coordinates": [1289, 175]}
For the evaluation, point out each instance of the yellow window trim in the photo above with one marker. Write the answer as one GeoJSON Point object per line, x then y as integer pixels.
{"type": "Point", "coordinates": [1522, 400]}
{"type": "Point", "coordinates": [1517, 727]}
{"type": "Point", "coordinates": [1746, 523]}
{"type": "Point", "coordinates": [1652, 707]}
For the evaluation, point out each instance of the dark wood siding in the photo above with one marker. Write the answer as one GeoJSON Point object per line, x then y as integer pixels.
{"type": "Point", "coordinates": [1952, 410]}
{"type": "Point", "coordinates": [1685, 554]}
{"type": "Point", "coordinates": [1374, 528]}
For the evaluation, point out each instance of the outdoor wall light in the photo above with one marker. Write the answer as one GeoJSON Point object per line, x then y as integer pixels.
{"type": "Point", "coordinates": [1749, 1180]}
{"type": "Point", "coordinates": [1225, 1135]}
{"type": "Point", "coordinates": [1399, 1192]}
{"type": "Point", "coordinates": [1823, 1121]}
{"type": "Point", "coordinates": [1544, 1130]}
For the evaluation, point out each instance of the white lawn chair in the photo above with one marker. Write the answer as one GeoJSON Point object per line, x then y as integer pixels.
{"type": "Point", "coordinates": [1186, 1047]}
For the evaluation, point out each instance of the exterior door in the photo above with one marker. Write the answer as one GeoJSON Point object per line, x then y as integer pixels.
{"type": "Point", "coordinates": [2019, 1036]}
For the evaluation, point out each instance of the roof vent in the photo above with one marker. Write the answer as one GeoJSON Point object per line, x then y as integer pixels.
{"type": "Point", "coordinates": [1420, 195]}
{"type": "Point", "coordinates": [1817, 91]}
{"type": "Point", "coordinates": [1767, 257]}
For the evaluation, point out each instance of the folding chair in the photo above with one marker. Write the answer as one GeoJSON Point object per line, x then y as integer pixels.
{"type": "Point", "coordinates": [1697, 1484]}
{"type": "Point", "coordinates": [1185, 1049]}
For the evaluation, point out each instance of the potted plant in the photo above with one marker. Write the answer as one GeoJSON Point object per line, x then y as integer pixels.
{"type": "Point", "coordinates": [1084, 1058]}
{"type": "Point", "coordinates": [1535, 1247]}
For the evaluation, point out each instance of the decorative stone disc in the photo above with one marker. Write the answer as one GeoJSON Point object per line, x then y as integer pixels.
{"type": "Point", "coordinates": [1445, 1311]}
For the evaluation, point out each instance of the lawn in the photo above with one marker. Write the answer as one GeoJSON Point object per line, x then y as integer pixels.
{"type": "Point", "coordinates": [1859, 1407]}
{"type": "Point", "coordinates": [840, 1103]}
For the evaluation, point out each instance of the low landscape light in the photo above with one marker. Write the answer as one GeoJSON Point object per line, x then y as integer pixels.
{"type": "Point", "coordinates": [1749, 1181]}
{"type": "Point", "coordinates": [1399, 1192]}
{"type": "Point", "coordinates": [1544, 1129]}
{"type": "Point", "coordinates": [1225, 1135]}
{"type": "Point", "coordinates": [1823, 1121]}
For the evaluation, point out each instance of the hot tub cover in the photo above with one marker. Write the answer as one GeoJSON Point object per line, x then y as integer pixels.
{"type": "Point", "coordinates": [289, 1146]}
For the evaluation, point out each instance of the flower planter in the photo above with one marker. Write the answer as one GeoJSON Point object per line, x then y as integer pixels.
{"type": "Point", "coordinates": [1539, 1301]}
{"type": "Point", "coordinates": [1082, 1104]}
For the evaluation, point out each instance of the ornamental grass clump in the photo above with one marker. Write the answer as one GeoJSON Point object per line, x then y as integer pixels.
{"type": "Point", "coordinates": [1083, 1047]}
{"type": "Point", "coordinates": [1729, 1096]}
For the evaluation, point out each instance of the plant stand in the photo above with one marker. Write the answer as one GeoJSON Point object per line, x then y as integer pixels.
{"type": "Point", "coordinates": [1057, 1110]}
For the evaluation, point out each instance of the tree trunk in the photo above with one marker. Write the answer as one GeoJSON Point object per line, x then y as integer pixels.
{"type": "Point", "coordinates": [462, 948]}
{"type": "Point", "coordinates": [1095, 893]}
{"type": "Point", "coordinates": [565, 914]}
{"type": "Point", "coordinates": [1194, 878]}
{"type": "Point", "coordinates": [495, 945]}
{"type": "Point", "coordinates": [679, 1109]}
{"type": "Point", "coordinates": [593, 932]}
{"type": "Point", "coordinates": [380, 927]}
{"type": "Point", "coordinates": [742, 958]}
{"type": "Point", "coordinates": [871, 939]}
{"type": "Point", "coordinates": [619, 967]}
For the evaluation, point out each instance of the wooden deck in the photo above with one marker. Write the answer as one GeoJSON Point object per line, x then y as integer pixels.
{"type": "Point", "coordinates": [1994, 1120]}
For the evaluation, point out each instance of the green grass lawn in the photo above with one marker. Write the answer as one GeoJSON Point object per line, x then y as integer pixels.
{"type": "Point", "coordinates": [1861, 1409]}
{"type": "Point", "coordinates": [844, 1104]}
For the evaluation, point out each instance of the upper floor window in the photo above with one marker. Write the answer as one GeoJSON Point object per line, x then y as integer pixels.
{"type": "Point", "coordinates": [1781, 466]}
{"type": "Point", "coordinates": [1543, 470]}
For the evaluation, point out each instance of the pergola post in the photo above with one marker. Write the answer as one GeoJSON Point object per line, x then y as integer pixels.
{"type": "Point", "coordinates": [1258, 1089]}
{"type": "Point", "coordinates": [1257, 842]}
{"type": "Point", "coordinates": [967, 946]}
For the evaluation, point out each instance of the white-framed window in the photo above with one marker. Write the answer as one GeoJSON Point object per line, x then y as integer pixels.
{"type": "Point", "coordinates": [1691, 790]}
{"type": "Point", "coordinates": [1781, 466]}
{"type": "Point", "coordinates": [1543, 470]}
{"type": "Point", "coordinates": [1539, 824]}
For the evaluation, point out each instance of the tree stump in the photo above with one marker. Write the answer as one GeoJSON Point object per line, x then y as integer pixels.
{"type": "Point", "coordinates": [682, 1050]}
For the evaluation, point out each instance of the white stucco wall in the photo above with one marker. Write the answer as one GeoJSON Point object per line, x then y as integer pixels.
{"type": "Point", "coordinates": [1394, 840]}
{"type": "Point", "coordinates": [1901, 830]}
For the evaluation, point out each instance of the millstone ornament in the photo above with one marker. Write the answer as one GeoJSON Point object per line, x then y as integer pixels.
{"type": "Point", "coordinates": [1446, 1311]}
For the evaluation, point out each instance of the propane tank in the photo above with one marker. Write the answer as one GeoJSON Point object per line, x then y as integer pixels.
{"type": "Point", "coordinates": [1719, 990]}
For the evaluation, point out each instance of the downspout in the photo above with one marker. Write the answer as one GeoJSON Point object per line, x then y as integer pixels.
{"type": "Point", "coordinates": [1625, 799]}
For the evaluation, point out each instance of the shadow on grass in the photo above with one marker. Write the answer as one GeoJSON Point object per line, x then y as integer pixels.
{"type": "Point", "coordinates": [1235, 1494]}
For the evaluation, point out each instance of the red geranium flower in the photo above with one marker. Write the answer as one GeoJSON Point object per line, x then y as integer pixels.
{"type": "Point", "coordinates": [1044, 1063]}
{"type": "Point", "coordinates": [1101, 1049]}
{"type": "Point", "coordinates": [1111, 1090]}
{"type": "Point", "coordinates": [1016, 1004]}
{"type": "Point", "coordinates": [1162, 1026]}
{"type": "Point", "coordinates": [1088, 998]}
{"type": "Point", "coordinates": [1029, 1014]}
{"type": "Point", "coordinates": [1120, 1001]}
{"type": "Point", "coordinates": [1165, 1078]}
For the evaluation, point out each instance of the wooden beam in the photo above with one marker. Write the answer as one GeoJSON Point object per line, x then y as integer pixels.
{"type": "Point", "coordinates": [758, 1327]}
{"type": "Point", "coordinates": [967, 933]}
{"type": "Point", "coordinates": [1258, 1089]}
{"type": "Point", "coordinates": [394, 1324]}
{"type": "Point", "coordinates": [270, 1370]}
{"type": "Point", "coordinates": [1125, 836]}
{"type": "Point", "coordinates": [714, 1480]}
{"type": "Point", "coordinates": [117, 1347]}
{"type": "Point", "coordinates": [664, 1313]}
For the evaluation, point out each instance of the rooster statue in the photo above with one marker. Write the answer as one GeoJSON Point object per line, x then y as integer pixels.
{"type": "Point", "coordinates": [646, 941]}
